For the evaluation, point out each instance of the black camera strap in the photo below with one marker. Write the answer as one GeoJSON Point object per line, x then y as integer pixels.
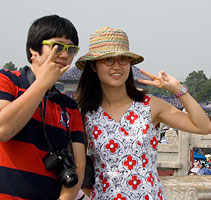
{"type": "Point", "coordinates": [50, 148]}
{"type": "Point", "coordinates": [31, 78]}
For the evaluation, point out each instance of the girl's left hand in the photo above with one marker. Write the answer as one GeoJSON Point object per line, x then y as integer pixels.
{"type": "Point", "coordinates": [162, 80]}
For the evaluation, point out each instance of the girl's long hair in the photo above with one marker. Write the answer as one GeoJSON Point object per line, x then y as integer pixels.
{"type": "Point", "coordinates": [90, 92]}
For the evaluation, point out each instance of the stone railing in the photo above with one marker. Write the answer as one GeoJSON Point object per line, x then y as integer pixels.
{"type": "Point", "coordinates": [176, 156]}
{"type": "Point", "coordinates": [187, 187]}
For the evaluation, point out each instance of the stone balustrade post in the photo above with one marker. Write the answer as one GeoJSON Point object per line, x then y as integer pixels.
{"type": "Point", "coordinates": [184, 153]}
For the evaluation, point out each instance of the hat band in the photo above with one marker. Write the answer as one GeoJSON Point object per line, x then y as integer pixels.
{"type": "Point", "coordinates": [108, 48]}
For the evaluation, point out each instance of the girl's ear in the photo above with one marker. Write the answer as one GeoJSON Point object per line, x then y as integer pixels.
{"type": "Point", "coordinates": [93, 66]}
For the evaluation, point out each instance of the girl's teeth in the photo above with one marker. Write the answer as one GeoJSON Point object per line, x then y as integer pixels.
{"type": "Point", "coordinates": [116, 74]}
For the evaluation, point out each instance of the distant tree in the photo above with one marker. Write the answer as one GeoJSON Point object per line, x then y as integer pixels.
{"type": "Point", "coordinates": [194, 81]}
{"type": "Point", "coordinates": [198, 86]}
{"type": "Point", "coordinates": [204, 95]}
{"type": "Point", "coordinates": [10, 66]}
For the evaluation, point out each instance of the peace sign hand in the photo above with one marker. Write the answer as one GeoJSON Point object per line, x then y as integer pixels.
{"type": "Point", "coordinates": [50, 71]}
{"type": "Point", "coordinates": [162, 80]}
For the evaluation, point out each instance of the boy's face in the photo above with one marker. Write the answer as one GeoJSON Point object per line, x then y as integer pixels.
{"type": "Point", "coordinates": [62, 59]}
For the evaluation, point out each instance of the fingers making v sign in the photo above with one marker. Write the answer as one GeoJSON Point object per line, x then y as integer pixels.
{"type": "Point", "coordinates": [162, 80]}
{"type": "Point", "coordinates": [51, 69]}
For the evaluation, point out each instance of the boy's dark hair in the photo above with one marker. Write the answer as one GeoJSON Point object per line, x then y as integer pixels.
{"type": "Point", "coordinates": [48, 27]}
{"type": "Point", "coordinates": [90, 92]}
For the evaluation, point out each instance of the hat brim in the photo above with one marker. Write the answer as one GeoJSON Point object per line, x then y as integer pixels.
{"type": "Point", "coordinates": [81, 62]}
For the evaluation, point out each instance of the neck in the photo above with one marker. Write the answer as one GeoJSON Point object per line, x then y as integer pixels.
{"type": "Point", "coordinates": [114, 97]}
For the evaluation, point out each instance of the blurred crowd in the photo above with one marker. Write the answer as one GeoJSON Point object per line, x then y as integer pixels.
{"type": "Point", "coordinates": [202, 166]}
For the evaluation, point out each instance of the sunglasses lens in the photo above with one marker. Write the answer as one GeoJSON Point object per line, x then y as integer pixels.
{"type": "Point", "coordinates": [60, 47]}
{"type": "Point", "coordinates": [72, 51]}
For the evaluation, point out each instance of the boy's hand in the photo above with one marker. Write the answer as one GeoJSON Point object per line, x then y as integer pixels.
{"type": "Point", "coordinates": [50, 71]}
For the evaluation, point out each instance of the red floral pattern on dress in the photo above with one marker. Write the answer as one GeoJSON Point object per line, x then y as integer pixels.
{"type": "Point", "coordinates": [112, 146]}
{"type": "Point", "coordinates": [124, 131]}
{"type": "Point", "coordinates": [101, 176]}
{"type": "Point", "coordinates": [91, 144]}
{"type": "Point", "coordinates": [134, 182]}
{"type": "Point", "coordinates": [132, 117]}
{"type": "Point", "coordinates": [146, 127]}
{"type": "Point", "coordinates": [93, 194]}
{"type": "Point", "coordinates": [107, 115]}
{"type": "Point", "coordinates": [130, 162]}
{"type": "Point", "coordinates": [146, 100]}
{"type": "Point", "coordinates": [150, 179]}
{"type": "Point", "coordinates": [103, 165]}
{"type": "Point", "coordinates": [105, 185]}
{"type": "Point", "coordinates": [96, 132]}
{"type": "Point", "coordinates": [144, 160]}
{"type": "Point", "coordinates": [160, 194]}
{"type": "Point", "coordinates": [154, 142]}
{"type": "Point", "coordinates": [119, 197]}
{"type": "Point", "coordinates": [86, 118]}
{"type": "Point", "coordinates": [146, 197]}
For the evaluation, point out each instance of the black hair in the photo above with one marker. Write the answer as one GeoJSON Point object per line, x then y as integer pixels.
{"type": "Point", "coordinates": [48, 27]}
{"type": "Point", "coordinates": [90, 92]}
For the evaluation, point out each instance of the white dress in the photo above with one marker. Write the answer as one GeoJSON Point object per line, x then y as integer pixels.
{"type": "Point", "coordinates": [124, 154]}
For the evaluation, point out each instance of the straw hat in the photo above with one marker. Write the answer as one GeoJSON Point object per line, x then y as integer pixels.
{"type": "Point", "coordinates": [108, 42]}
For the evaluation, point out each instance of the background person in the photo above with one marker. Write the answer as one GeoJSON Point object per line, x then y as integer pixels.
{"type": "Point", "coordinates": [203, 170]}
{"type": "Point", "coordinates": [51, 46]}
{"type": "Point", "coordinates": [122, 122]}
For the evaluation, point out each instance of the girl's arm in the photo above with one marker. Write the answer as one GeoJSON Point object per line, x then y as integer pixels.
{"type": "Point", "coordinates": [193, 120]}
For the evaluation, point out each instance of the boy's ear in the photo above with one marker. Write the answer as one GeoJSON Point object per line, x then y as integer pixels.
{"type": "Point", "coordinates": [33, 53]}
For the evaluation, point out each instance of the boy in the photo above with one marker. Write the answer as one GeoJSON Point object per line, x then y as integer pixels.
{"type": "Point", "coordinates": [36, 120]}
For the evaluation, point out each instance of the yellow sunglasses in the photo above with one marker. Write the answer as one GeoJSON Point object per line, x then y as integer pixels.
{"type": "Point", "coordinates": [72, 50]}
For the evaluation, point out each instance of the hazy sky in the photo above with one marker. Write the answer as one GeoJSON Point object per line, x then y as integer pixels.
{"type": "Point", "coordinates": [174, 36]}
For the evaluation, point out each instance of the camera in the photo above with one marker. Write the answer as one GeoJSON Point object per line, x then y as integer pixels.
{"type": "Point", "coordinates": [63, 164]}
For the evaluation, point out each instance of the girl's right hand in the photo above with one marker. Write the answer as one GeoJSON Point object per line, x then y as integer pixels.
{"type": "Point", "coordinates": [162, 80]}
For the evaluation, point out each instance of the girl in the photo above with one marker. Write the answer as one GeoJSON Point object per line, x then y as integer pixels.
{"type": "Point", "coordinates": [122, 122]}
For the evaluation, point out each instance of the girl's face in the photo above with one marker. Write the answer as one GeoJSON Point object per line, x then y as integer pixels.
{"type": "Point", "coordinates": [113, 71]}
